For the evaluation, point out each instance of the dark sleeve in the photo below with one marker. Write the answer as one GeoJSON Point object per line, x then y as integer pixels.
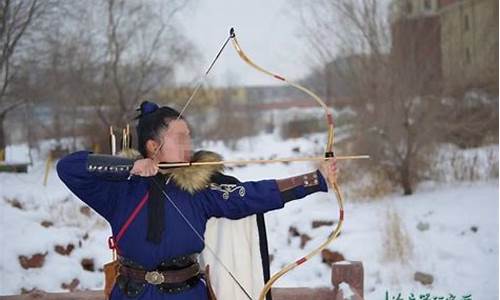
{"type": "Point", "coordinates": [229, 198]}
{"type": "Point", "coordinates": [97, 188]}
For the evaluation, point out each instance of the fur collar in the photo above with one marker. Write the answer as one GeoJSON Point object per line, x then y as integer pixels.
{"type": "Point", "coordinates": [196, 178]}
{"type": "Point", "coordinates": [191, 179]}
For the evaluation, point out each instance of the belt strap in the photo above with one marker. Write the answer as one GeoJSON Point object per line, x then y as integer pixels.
{"type": "Point", "coordinates": [159, 277]}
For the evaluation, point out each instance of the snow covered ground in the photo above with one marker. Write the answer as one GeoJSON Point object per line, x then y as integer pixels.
{"type": "Point", "coordinates": [459, 248]}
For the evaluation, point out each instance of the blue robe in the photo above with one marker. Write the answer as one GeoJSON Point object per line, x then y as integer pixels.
{"type": "Point", "coordinates": [115, 198]}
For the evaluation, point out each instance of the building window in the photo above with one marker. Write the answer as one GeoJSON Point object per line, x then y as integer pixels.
{"type": "Point", "coordinates": [409, 7]}
{"type": "Point", "coordinates": [467, 55]}
{"type": "Point", "coordinates": [466, 22]}
{"type": "Point", "coordinates": [427, 5]}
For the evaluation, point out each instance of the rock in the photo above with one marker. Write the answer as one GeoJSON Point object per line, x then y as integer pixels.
{"type": "Point", "coordinates": [292, 231]}
{"type": "Point", "coordinates": [423, 226]}
{"type": "Point", "coordinates": [296, 149]}
{"type": "Point", "coordinates": [64, 250]}
{"type": "Point", "coordinates": [474, 229]}
{"type": "Point", "coordinates": [330, 257]}
{"type": "Point", "coordinates": [71, 286]}
{"type": "Point", "coordinates": [35, 261]}
{"type": "Point", "coordinates": [85, 236]}
{"type": "Point", "coordinates": [304, 238]}
{"type": "Point", "coordinates": [423, 278]}
{"type": "Point", "coordinates": [85, 210]}
{"type": "Point", "coordinates": [34, 292]}
{"type": "Point", "coordinates": [14, 203]}
{"type": "Point", "coordinates": [88, 264]}
{"type": "Point", "coordinates": [316, 223]}
{"type": "Point", "coordinates": [47, 224]}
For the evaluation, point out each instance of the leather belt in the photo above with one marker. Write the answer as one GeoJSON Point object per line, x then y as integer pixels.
{"type": "Point", "coordinates": [159, 277]}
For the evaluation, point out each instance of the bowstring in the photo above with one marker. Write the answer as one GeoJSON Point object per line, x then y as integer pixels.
{"type": "Point", "coordinates": [191, 97]}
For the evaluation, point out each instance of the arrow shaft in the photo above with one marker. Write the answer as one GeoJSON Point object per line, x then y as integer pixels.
{"type": "Point", "coordinates": [259, 161]}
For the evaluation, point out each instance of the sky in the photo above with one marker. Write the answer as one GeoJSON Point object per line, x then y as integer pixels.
{"type": "Point", "coordinates": [265, 30]}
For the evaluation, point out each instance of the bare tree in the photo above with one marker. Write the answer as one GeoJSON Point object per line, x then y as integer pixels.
{"type": "Point", "coordinates": [142, 46]}
{"type": "Point", "coordinates": [341, 28]}
{"type": "Point", "coordinates": [16, 19]}
{"type": "Point", "coordinates": [391, 68]}
{"type": "Point", "coordinates": [91, 65]}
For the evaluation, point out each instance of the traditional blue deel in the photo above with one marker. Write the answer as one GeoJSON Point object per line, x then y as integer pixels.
{"type": "Point", "coordinates": [115, 199]}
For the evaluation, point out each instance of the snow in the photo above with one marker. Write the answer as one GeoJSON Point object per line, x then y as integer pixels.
{"type": "Point", "coordinates": [460, 260]}
{"type": "Point", "coordinates": [17, 154]}
{"type": "Point", "coordinates": [346, 290]}
{"type": "Point", "coordinates": [344, 262]}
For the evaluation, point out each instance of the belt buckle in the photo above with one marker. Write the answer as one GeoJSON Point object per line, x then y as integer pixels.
{"type": "Point", "coordinates": [154, 277]}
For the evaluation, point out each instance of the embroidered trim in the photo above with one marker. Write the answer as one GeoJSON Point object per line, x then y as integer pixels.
{"type": "Point", "coordinates": [226, 189]}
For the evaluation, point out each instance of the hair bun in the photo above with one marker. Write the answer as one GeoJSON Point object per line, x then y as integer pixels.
{"type": "Point", "coordinates": [146, 107]}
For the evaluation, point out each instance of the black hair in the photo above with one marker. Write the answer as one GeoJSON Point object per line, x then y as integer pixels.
{"type": "Point", "coordinates": [152, 120]}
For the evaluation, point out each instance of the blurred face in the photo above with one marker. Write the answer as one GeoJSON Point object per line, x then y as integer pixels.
{"type": "Point", "coordinates": [174, 143]}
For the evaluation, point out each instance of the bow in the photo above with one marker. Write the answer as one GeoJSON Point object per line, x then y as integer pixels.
{"type": "Point", "coordinates": [329, 153]}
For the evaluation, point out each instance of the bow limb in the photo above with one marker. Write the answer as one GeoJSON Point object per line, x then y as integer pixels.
{"type": "Point", "coordinates": [328, 153]}
{"type": "Point", "coordinates": [331, 237]}
{"type": "Point", "coordinates": [329, 117]}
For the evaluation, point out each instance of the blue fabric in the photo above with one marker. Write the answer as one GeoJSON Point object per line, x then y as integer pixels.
{"type": "Point", "coordinates": [115, 199]}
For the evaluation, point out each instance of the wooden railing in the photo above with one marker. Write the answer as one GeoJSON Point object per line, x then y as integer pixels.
{"type": "Point", "coordinates": [347, 284]}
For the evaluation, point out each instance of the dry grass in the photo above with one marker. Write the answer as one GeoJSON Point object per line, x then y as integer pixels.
{"type": "Point", "coordinates": [377, 187]}
{"type": "Point", "coordinates": [464, 165]}
{"type": "Point", "coordinates": [396, 241]}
